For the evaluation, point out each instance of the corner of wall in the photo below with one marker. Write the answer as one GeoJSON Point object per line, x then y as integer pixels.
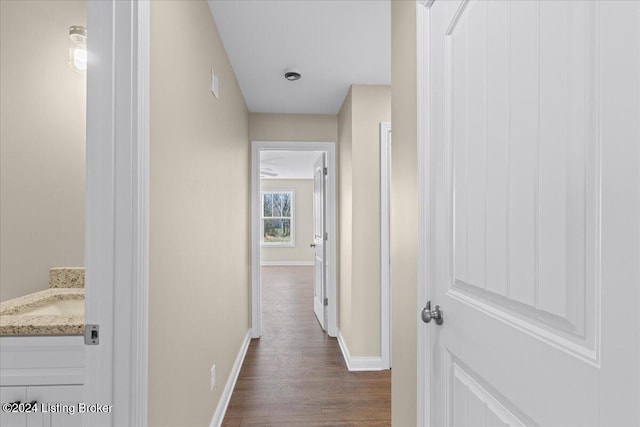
{"type": "Point", "coordinates": [404, 198]}
{"type": "Point", "coordinates": [358, 363]}
{"type": "Point", "coordinates": [360, 283]}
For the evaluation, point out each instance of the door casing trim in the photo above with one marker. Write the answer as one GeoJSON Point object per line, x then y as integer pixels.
{"type": "Point", "coordinates": [116, 223]}
{"type": "Point", "coordinates": [424, 218]}
{"type": "Point", "coordinates": [331, 212]}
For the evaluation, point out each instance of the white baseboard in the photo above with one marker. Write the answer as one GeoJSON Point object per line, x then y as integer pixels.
{"type": "Point", "coordinates": [218, 416]}
{"type": "Point", "coordinates": [359, 363]}
{"type": "Point", "coordinates": [285, 263]}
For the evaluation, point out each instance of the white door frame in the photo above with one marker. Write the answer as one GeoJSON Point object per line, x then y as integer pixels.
{"type": "Point", "coordinates": [256, 291]}
{"type": "Point", "coordinates": [385, 242]}
{"type": "Point", "coordinates": [424, 195]}
{"type": "Point", "coordinates": [116, 249]}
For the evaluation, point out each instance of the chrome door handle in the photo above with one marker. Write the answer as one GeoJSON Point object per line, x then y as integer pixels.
{"type": "Point", "coordinates": [435, 314]}
{"type": "Point", "coordinates": [313, 245]}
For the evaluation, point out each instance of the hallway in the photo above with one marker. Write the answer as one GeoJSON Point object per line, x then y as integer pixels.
{"type": "Point", "coordinates": [295, 374]}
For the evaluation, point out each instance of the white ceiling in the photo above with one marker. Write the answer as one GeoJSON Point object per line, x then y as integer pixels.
{"type": "Point", "coordinates": [289, 164]}
{"type": "Point", "coordinates": [334, 43]}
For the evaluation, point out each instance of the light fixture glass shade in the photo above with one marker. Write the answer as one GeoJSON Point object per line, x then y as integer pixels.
{"type": "Point", "coordinates": [78, 48]}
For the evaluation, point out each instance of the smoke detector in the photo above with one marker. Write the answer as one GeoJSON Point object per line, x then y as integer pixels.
{"type": "Point", "coordinates": [292, 74]}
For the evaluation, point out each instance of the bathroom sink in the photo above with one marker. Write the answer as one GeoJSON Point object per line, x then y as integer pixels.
{"type": "Point", "coordinates": [61, 306]}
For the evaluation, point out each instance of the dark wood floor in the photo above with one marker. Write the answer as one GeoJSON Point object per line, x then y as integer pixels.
{"type": "Point", "coordinates": [295, 374]}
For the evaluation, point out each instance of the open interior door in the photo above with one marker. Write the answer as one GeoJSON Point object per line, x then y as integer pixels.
{"type": "Point", "coordinates": [319, 288]}
{"type": "Point", "coordinates": [533, 202]}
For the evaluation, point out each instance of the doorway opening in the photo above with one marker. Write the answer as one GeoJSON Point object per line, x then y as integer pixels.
{"type": "Point", "coordinates": [293, 200]}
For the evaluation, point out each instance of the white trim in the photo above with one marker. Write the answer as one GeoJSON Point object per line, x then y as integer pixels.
{"type": "Point", "coordinates": [358, 363]}
{"type": "Point", "coordinates": [256, 292]}
{"type": "Point", "coordinates": [223, 403]}
{"type": "Point", "coordinates": [286, 263]}
{"type": "Point", "coordinates": [116, 246]}
{"type": "Point", "coordinates": [140, 301]}
{"type": "Point", "coordinates": [41, 360]}
{"type": "Point", "coordinates": [385, 242]}
{"type": "Point", "coordinates": [424, 232]}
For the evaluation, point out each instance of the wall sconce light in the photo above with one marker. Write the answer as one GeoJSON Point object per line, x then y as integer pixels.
{"type": "Point", "coordinates": [78, 47]}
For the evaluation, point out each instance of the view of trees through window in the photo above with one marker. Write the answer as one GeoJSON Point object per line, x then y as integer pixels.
{"type": "Point", "coordinates": [277, 217]}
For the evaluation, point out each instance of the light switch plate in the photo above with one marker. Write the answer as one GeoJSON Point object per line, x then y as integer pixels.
{"type": "Point", "coordinates": [214, 83]}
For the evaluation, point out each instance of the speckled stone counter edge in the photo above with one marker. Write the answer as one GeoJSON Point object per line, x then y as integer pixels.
{"type": "Point", "coordinates": [66, 277]}
{"type": "Point", "coordinates": [12, 323]}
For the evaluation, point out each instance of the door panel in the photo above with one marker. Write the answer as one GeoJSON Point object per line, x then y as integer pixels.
{"type": "Point", "coordinates": [319, 283]}
{"type": "Point", "coordinates": [515, 207]}
{"type": "Point", "coordinates": [475, 404]}
{"type": "Point", "coordinates": [522, 200]}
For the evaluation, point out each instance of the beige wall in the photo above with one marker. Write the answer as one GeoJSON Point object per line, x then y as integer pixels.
{"type": "Point", "coordinates": [199, 256]}
{"type": "Point", "coordinates": [42, 144]}
{"type": "Point", "coordinates": [303, 222]}
{"type": "Point", "coordinates": [293, 127]}
{"type": "Point", "coordinates": [404, 213]}
{"type": "Point", "coordinates": [366, 106]}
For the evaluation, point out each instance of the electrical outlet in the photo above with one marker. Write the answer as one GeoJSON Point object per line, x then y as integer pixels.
{"type": "Point", "coordinates": [213, 377]}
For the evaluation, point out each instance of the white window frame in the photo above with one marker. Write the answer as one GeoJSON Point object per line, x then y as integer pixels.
{"type": "Point", "coordinates": [292, 218]}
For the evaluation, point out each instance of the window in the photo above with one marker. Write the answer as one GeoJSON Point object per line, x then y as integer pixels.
{"type": "Point", "coordinates": [277, 218]}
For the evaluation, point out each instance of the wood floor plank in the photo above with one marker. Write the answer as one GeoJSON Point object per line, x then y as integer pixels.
{"type": "Point", "coordinates": [294, 375]}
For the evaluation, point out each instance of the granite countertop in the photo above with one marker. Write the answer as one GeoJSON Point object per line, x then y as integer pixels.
{"type": "Point", "coordinates": [13, 323]}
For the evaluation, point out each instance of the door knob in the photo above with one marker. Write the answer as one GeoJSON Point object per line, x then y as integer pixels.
{"type": "Point", "coordinates": [313, 245]}
{"type": "Point", "coordinates": [436, 314]}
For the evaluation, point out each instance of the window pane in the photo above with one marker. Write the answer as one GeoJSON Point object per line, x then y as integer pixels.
{"type": "Point", "coordinates": [277, 204]}
{"type": "Point", "coordinates": [277, 230]}
{"type": "Point", "coordinates": [266, 203]}
{"type": "Point", "coordinates": [286, 204]}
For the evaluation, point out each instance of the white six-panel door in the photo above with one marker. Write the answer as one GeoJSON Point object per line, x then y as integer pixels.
{"type": "Point", "coordinates": [533, 154]}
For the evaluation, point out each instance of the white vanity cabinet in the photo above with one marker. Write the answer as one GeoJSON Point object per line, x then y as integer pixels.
{"type": "Point", "coordinates": [60, 397]}
{"type": "Point", "coordinates": [12, 394]}
{"type": "Point", "coordinates": [48, 370]}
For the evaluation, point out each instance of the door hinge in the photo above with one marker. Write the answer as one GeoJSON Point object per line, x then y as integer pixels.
{"type": "Point", "coordinates": [326, 302]}
{"type": "Point", "coordinates": [326, 170]}
{"type": "Point", "coordinates": [326, 236]}
{"type": "Point", "coordinates": [91, 334]}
